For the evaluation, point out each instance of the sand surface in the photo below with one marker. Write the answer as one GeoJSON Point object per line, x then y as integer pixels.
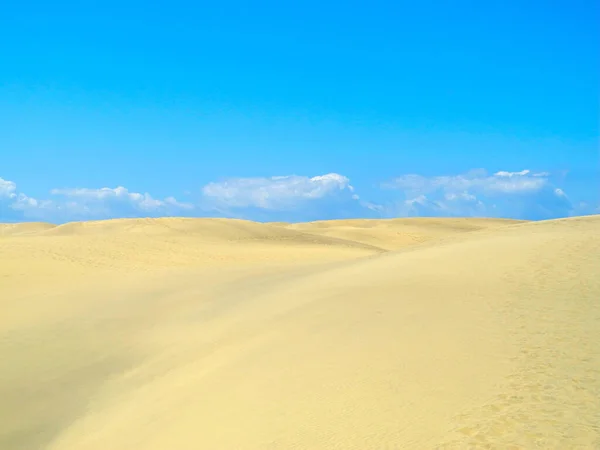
{"type": "Point", "coordinates": [219, 334]}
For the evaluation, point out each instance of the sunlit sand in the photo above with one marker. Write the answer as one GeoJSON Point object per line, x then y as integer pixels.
{"type": "Point", "coordinates": [219, 334]}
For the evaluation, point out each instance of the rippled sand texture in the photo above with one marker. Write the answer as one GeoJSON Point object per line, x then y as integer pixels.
{"type": "Point", "coordinates": [354, 335]}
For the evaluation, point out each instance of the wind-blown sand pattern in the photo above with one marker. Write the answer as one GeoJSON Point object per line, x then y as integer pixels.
{"type": "Point", "coordinates": [224, 334]}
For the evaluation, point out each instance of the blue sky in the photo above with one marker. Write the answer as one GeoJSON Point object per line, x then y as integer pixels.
{"type": "Point", "coordinates": [299, 110]}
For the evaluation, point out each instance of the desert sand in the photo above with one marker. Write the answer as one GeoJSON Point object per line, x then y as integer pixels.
{"type": "Point", "coordinates": [224, 334]}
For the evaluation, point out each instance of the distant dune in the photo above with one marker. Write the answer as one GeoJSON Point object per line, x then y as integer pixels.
{"type": "Point", "coordinates": [16, 229]}
{"type": "Point", "coordinates": [355, 334]}
{"type": "Point", "coordinates": [392, 234]}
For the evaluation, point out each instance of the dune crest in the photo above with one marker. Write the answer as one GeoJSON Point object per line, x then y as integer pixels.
{"type": "Point", "coordinates": [15, 229]}
{"type": "Point", "coordinates": [393, 234]}
{"type": "Point", "coordinates": [223, 334]}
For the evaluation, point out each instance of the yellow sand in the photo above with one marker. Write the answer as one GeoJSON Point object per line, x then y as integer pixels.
{"type": "Point", "coordinates": [354, 335]}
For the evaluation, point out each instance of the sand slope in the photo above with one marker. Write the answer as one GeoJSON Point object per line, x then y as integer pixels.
{"type": "Point", "coordinates": [217, 334]}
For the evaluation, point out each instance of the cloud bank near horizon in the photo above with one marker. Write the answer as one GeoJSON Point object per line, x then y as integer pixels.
{"type": "Point", "coordinates": [521, 195]}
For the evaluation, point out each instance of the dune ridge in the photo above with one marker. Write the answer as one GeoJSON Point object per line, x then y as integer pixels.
{"type": "Point", "coordinates": [356, 334]}
{"type": "Point", "coordinates": [393, 234]}
{"type": "Point", "coordinates": [15, 229]}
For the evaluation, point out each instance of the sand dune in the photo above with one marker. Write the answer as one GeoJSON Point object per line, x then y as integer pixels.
{"type": "Point", "coordinates": [16, 229]}
{"type": "Point", "coordinates": [221, 334]}
{"type": "Point", "coordinates": [393, 234]}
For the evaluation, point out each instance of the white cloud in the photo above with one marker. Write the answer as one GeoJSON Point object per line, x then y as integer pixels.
{"type": "Point", "coordinates": [522, 194]}
{"type": "Point", "coordinates": [276, 193]}
{"type": "Point", "coordinates": [115, 202]}
{"type": "Point", "coordinates": [84, 204]}
{"type": "Point", "coordinates": [479, 180]}
{"type": "Point", "coordinates": [7, 189]}
{"type": "Point", "coordinates": [120, 195]}
{"type": "Point", "coordinates": [12, 202]}
{"type": "Point", "coordinates": [279, 197]}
